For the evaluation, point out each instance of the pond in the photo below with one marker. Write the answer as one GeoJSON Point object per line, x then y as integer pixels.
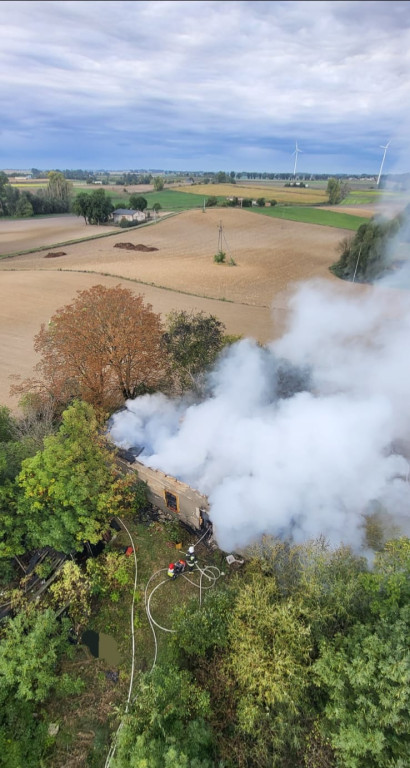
{"type": "Point", "coordinates": [102, 646]}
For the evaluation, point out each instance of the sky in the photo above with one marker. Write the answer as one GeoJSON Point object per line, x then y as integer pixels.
{"type": "Point", "coordinates": [204, 85]}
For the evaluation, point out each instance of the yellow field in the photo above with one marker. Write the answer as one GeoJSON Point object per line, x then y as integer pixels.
{"type": "Point", "coordinates": [294, 195]}
{"type": "Point", "coordinates": [29, 184]}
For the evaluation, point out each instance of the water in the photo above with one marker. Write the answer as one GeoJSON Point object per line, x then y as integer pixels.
{"type": "Point", "coordinates": [102, 646]}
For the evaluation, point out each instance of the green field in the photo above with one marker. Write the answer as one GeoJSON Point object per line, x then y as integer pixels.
{"type": "Point", "coordinates": [313, 216]}
{"type": "Point", "coordinates": [171, 200]}
{"type": "Point", "coordinates": [363, 197]}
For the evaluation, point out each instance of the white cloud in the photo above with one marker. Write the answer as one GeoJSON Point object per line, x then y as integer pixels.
{"type": "Point", "coordinates": [258, 69]}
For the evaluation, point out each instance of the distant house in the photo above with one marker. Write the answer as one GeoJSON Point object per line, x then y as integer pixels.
{"type": "Point", "coordinates": [128, 214]}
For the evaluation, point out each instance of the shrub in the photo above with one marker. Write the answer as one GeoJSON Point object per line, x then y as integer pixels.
{"type": "Point", "coordinates": [219, 257]}
{"type": "Point", "coordinates": [211, 202]}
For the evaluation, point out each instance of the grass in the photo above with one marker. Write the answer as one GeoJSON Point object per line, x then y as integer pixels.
{"type": "Point", "coordinates": [176, 200]}
{"type": "Point", "coordinates": [313, 216]}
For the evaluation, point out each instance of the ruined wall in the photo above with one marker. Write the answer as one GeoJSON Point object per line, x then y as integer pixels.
{"type": "Point", "coordinates": [170, 495]}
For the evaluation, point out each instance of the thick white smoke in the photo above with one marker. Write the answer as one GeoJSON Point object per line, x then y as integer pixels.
{"type": "Point", "coordinates": [300, 438]}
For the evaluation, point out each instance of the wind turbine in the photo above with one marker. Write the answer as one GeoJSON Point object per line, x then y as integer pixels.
{"type": "Point", "coordinates": [384, 155]}
{"type": "Point", "coordinates": [296, 152]}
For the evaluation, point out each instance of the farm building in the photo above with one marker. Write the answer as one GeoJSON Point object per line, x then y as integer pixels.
{"type": "Point", "coordinates": [128, 214]}
{"type": "Point", "coordinates": [169, 494]}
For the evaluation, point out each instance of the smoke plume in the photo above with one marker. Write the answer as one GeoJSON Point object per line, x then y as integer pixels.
{"type": "Point", "coordinates": [303, 437]}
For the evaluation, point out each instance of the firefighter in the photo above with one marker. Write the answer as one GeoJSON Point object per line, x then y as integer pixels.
{"type": "Point", "coordinates": [171, 571]}
{"type": "Point", "coordinates": [179, 567]}
{"type": "Point", "coordinates": [191, 559]}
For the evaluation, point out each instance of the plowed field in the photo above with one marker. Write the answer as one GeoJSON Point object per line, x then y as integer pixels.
{"type": "Point", "coordinates": [270, 255]}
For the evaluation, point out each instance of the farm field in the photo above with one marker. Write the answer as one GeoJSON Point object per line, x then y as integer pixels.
{"type": "Point", "coordinates": [292, 195]}
{"type": "Point", "coordinates": [329, 217]}
{"type": "Point", "coordinates": [23, 234]}
{"type": "Point", "coordinates": [250, 298]}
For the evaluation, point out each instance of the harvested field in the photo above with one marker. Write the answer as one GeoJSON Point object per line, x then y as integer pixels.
{"type": "Point", "coordinates": [29, 298]}
{"type": "Point", "coordinates": [294, 195]}
{"type": "Point", "coordinates": [23, 234]}
{"type": "Point", "coordinates": [271, 255]}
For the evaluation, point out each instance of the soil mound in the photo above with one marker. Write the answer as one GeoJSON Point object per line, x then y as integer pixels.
{"type": "Point", "coordinates": [132, 247]}
{"type": "Point", "coordinates": [54, 254]}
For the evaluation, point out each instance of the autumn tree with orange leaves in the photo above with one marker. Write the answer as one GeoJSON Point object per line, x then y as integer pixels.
{"type": "Point", "coordinates": [103, 348]}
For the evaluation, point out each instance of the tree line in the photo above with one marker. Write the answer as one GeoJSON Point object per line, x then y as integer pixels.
{"type": "Point", "coordinates": [55, 198]}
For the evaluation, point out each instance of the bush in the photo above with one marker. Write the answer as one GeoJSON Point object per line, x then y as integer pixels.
{"type": "Point", "coordinates": [125, 224]}
{"type": "Point", "coordinates": [261, 202]}
{"type": "Point", "coordinates": [211, 202]}
{"type": "Point", "coordinates": [246, 202]}
{"type": "Point", "coordinates": [219, 257]}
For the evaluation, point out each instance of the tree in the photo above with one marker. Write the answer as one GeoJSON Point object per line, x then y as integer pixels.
{"type": "Point", "coordinates": [68, 490]}
{"type": "Point", "coordinates": [138, 203]}
{"type": "Point", "coordinates": [58, 186]}
{"type": "Point", "coordinates": [166, 727]}
{"type": "Point", "coordinates": [81, 205]}
{"type": "Point", "coordinates": [365, 673]}
{"type": "Point", "coordinates": [72, 587]}
{"type": "Point", "coordinates": [105, 347]}
{"type": "Point", "coordinates": [193, 341]}
{"type": "Point", "coordinates": [101, 207]}
{"type": "Point", "coordinates": [367, 679]}
{"type": "Point", "coordinates": [367, 255]}
{"type": "Point", "coordinates": [31, 647]}
{"type": "Point", "coordinates": [269, 660]}
{"type": "Point", "coordinates": [156, 207]}
{"type": "Point", "coordinates": [211, 201]}
{"type": "Point", "coordinates": [24, 207]}
{"type": "Point", "coordinates": [336, 191]}
{"type": "Point", "coordinates": [158, 182]}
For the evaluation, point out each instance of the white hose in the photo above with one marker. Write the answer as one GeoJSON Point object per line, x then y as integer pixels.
{"type": "Point", "coordinates": [113, 746]}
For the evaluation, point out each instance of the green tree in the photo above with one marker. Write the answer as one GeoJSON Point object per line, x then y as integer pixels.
{"type": "Point", "coordinates": [58, 186]}
{"type": "Point", "coordinates": [365, 673]}
{"type": "Point", "coordinates": [193, 341]}
{"type": "Point", "coordinates": [24, 207]}
{"type": "Point", "coordinates": [67, 490]}
{"type": "Point", "coordinates": [166, 727]}
{"type": "Point", "coordinates": [158, 182]}
{"type": "Point", "coordinates": [336, 191]}
{"type": "Point", "coordinates": [366, 676]}
{"type": "Point", "coordinates": [156, 207]}
{"type": "Point", "coordinates": [101, 207]}
{"type": "Point", "coordinates": [270, 659]}
{"type": "Point", "coordinates": [9, 196]}
{"type": "Point", "coordinates": [137, 202]}
{"type": "Point", "coordinates": [211, 202]}
{"type": "Point", "coordinates": [72, 588]}
{"type": "Point", "coordinates": [366, 255]}
{"type": "Point", "coordinates": [81, 206]}
{"type": "Point", "coordinates": [31, 646]}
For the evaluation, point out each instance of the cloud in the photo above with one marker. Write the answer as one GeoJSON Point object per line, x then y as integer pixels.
{"type": "Point", "coordinates": [220, 72]}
